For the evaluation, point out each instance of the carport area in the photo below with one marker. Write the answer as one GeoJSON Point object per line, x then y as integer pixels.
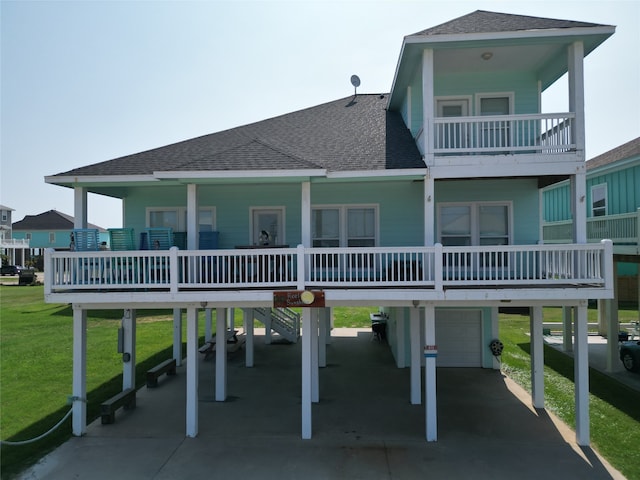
{"type": "Point", "coordinates": [364, 426]}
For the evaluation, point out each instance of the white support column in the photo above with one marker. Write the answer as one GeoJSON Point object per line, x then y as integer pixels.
{"type": "Point", "coordinates": [578, 206]}
{"type": "Point", "coordinates": [247, 319]}
{"type": "Point", "coordinates": [221, 354]}
{"type": "Point", "coordinates": [323, 327]}
{"type": "Point", "coordinates": [79, 207]}
{"type": "Point", "coordinates": [416, 356]}
{"type": "Point", "coordinates": [208, 324]}
{"type": "Point", "coordinates": [567, 329]}
{"type": "Point", "coordinates": [129, 354]}
{"type": "Point", "coordinates": [177, 336]}
{"type": "Point", "coordinates": [305, 226]}
{"type": "Point", "coordinates": [306, 373]}
{"type": "Point", "coordinates": [193, 366]}
{"type": "Point", "coordinates": [429, 211]}
{"type": "Point", "coordinates": [428, 106]}
{"type": "Point", "coordinates": [400, 338]}
{"type": "Point", "coordinates": [192, 216]}
{"type": "Point", "coordinates": [79, 421]}
{"type": "Point", "coordinates": [581, 376]}
{"type": "Point", "coordinates": [430, 397]}
{"type": "Point", "coordinates": [613, 327]}
{"type": "Point", "coordinates": [537, 357]}
{"type": "Point", "coordinates": [576, 94]}
{"type": "Point", "coordinates": [315, 374]}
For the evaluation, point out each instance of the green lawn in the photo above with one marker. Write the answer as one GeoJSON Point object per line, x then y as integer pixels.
{"type": "Point", "coordinates": [36, 369]}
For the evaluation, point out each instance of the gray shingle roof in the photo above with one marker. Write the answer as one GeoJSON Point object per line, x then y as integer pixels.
{"type": "Point", "coordinates": [482, 21]}
{"type": "Point", "coordinates": [621, 152]}
{"type": "Point", "coordinates": [51, 220]}
{"type": "Point", "coordinates": [353, 133]}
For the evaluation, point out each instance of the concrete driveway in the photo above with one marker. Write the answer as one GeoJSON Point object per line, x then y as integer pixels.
{"type": "Point", "coordinates": [364, 426]}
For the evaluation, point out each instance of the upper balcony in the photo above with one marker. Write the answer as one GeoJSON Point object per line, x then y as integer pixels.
{"type": "Point", "coordinates": [347, 275]}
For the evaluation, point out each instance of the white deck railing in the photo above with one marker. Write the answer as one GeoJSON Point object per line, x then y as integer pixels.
{"type": "Point", "coordinates": [434, 267]}
{"type": "Point", "coordinates": [545, 133]}
{"type": "Point", "coordinates": [621, 229]}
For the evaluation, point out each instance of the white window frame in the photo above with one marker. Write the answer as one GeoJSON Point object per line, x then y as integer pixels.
{"type": "Point", "coordinates": [605, 209]}
{"type": "Point", "coordinates": [453, 100]}
{"type": "Point", "coordinates": [52, 237]}
{"type": "Point", "coordinates": [480, 96]}
{"type": "Point", "coordinates": [281, 211]}
{"type": "Point", "coordinates": [475, 218]}
{"type": "Point", "coordinates": [181, 216]}
{"type": "Point", "coordinates": [343, 230]}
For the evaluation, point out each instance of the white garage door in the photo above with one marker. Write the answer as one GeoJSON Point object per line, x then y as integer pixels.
{"type": "Point", "coordinates": [459, 338]}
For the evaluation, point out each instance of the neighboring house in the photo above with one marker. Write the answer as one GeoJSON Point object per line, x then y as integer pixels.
{"type": "Point", "coordinates": [423, 202]}
{"type": "Point", "coordinates": [613, 211]}
{"type": "Point", "coordinates": [51, 229]}
{"type": "Point", "coordinates": [15, 249]}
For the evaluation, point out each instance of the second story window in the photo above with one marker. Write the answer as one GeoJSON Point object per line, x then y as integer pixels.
{"type": "Point", "coordinates": [474, 224]}
{"type": "Point", "coordinates": [344, 226]}
{"type": "Point", "coordinates": [599, 200]}
{"type": "Point", "coordinates": [52, 237]}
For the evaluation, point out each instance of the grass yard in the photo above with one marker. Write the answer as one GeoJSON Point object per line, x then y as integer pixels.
{"type": "Point", "coordinates": [36, 368]}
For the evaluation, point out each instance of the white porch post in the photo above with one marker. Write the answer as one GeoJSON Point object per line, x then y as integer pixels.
{"type": "Point", "coordinates": [431, 412]}
{"type": "Point", "coordinates": [537, 357]}
{"type": "Point", "coordinates": [306, 373]}
{"type": "Point", "coordinates": [429, 211]}
{"type": "Point", "coordinates": [193, 366]}
{"type": "Point", "coordinates": [613, 326]}
{"type": "Point", "coordinates": [576, 94]}
{"type": "Point", "coordinates": [567, 328]}
{"type": "Point", "coordinates": [400, 338]}
{"type": "Point", "coordinates": [79, 207]}
{"type": "Point", "coordinates": [177, 335]}
{"type": "Point", "coordinates": [247, 321]}
{"type": "Point", "coordinates": [79, 421]}
{"type": "Point", "coordinates": [416, 356]}
{"type": "Point", "coordinates": [129, 366]}
{"type": "Point", "coordinates": [428, 107]}
{"type": "Point", "coordinates": [221, 354]}
{"type": "Point", "coordinates": [192, 216]}
{"type": "Point", "coordinates": [315, 374]}
{"type": "Point", "coordinates": [208, 324]}
{"type": "Point", "coordinates": [323, 328]}
{"type": "Point", "coordinates": [305, 225]}
{"type": "Point", "coordinates": [581, 376]}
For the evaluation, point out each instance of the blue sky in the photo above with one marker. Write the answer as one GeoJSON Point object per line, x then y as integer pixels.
{"type": "Point", "coordinates": [88, 81]}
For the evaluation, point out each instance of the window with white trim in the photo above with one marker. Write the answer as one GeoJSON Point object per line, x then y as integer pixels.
{"type": "Point", "coordinates": [599, 200]}
{"type": "Point", "coordinates": [176, 218]}
{"type": "Point", "coordinates": [52, 237]}
{"type": "Point", "coordinates": [267, 226]}
{"type": "Point", "coordinates": [465, 224]}
{"type": "Point", "coordinates": [344, 226]}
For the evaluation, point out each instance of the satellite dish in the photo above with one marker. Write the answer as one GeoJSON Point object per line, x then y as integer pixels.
{"type": "Point", "coordinates": [355, 81]}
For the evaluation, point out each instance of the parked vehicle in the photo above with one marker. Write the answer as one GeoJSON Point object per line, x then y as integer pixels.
{"type": "Point", "coordinates": [11, 270]}
{"type": "Point", "coordinates": [630, 355]}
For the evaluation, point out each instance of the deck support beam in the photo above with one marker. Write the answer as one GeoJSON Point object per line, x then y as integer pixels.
{"type": "Point", "coordinates": [247, 325]}
{"type": "Point", "coordinates": [581, 376]}
{"type": "Point", "coordinates": [306, 373]}
{"type": "Point", "coordinates": [537, 357]}
{"type": "Point", "coordinates": [129, 351]}
{"type": "Point", "coordinates": [315, 374]}
{"type": "Point", "coordinates": [431, 412]}
{"type": "Point", "coordinates": [177, 336]}
{"type": "Point", "coordinates": [79, 405]}
{"type": "Point", "coordinates": [193, 365]}
{"type": "Point", "coordinates": [221, 354]}
{"type": "Point", "coordinates": [416, 356]}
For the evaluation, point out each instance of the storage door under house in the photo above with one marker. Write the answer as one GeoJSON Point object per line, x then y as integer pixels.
{"type": "Point", "coordinates": [459, 338]}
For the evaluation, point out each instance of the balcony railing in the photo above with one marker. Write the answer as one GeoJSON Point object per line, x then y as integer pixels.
{"type": "Point", "coordinates": [437, 268]}
{"type": "Point", "coordinates": [14, 243]}
{"type": "Point", "coordinates": [621, 229]}
{"type": "Point", "coordinates": [545, 133]}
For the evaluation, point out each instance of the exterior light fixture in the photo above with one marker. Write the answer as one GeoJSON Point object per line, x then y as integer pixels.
{"type": "Point", "coordinates": [487, 55]}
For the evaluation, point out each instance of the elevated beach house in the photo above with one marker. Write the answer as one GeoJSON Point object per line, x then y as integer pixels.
{"type": "Point", "coordinates": [424, 202]}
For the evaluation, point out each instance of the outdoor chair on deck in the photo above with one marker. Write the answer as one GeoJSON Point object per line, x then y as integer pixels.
{"type": "Point", "coordinates": [157, 238]}
{"type": "Point", "coordinates": [122, 269]}
{"type": "Point", "coordinates": [86, 240]}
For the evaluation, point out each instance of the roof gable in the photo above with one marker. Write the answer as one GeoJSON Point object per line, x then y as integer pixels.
{"type": "Point", "coordinates": [622, 152]}
{"type": "Point", "coordinates": [51, 220]}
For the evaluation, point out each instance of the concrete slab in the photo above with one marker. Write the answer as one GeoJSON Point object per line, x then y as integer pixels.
{"type": "Point", "coordinates": [363, 427]}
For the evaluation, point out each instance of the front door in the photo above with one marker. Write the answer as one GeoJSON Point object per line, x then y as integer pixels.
{"type": "Point", "coordinates": [268, 226]}
{"type": "Point", "coordinates": [452, 135]}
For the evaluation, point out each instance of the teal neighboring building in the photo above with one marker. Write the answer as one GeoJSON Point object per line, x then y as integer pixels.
{"type": "Point", "coordinates": [50, 229]}
{"type": "Point", "coordinates": [613, 211]}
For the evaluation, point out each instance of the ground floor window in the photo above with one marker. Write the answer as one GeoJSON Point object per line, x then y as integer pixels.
{"type": "Point", "coordinates": [176, 218]}
{"type": "Point", "coordinates": [474, 224]}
